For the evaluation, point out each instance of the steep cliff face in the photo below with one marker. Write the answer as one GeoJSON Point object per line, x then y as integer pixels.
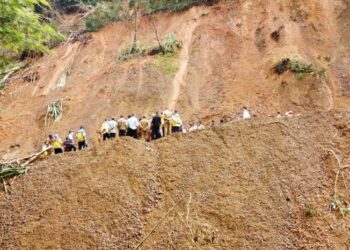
{"type": "Point", "coordinates": [226, 61]}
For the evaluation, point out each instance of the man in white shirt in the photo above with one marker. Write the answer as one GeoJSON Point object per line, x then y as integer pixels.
{"type": "Point", "coordinates": [133, 123]}
{"type": "Point", "coordinates": [246, 115]}
{"type": "Point", "coordinates": [289, 114]}
{"type": "Point", "coordinates": [200, 126]}
{"type": "Point", "coordinates": [112, 128]}
{"type": "Point", "coordinates": [193, 127]}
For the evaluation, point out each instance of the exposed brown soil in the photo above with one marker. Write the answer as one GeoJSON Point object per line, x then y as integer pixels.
{"type": "Point", "coordinates": [249, 184]}
{"type": "Point", "coordinates": [226, 62]}
{"type": "Point", "coordinates": [245, 185]}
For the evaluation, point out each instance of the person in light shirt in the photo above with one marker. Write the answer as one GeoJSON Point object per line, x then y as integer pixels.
{"type": "Point", "coordinates": [112, 128]}
{"type": "Point", "coordinates": [246, 115]}
{"type": "Point", "coordinates": [200, 126]}
{"type": "Point", "coordinates": [133, 124]}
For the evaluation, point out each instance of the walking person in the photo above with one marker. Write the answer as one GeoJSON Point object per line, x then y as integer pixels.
{"type": "Point", "coordinates": [246, 115]}
{"type": "Point", "coordinates": [69, 143]}
{"type": "Point", "coordinates": [81, 138]}
{"type": "Point", "coordinates": [105, 130]}
{"type": "Point", "coordinates": [112, 128]}
{"type": "Point", "coordinates": [56, 143]}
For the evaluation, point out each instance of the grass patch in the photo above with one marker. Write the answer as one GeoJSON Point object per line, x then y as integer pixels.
{"type": "Point", "coordinates": [310, 210]}
{"type": "Point", "coordinates": [168, 47]}
{"type": "Point", "coordinates": [167, 64]}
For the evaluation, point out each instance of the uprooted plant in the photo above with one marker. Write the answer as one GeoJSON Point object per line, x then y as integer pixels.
{"type": "Point", "coordinates": [54, 111]}
{"type": "Point", "coordinates": [337, 203]}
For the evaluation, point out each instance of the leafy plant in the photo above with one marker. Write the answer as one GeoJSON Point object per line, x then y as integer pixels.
{"type": "Point", "coordinates": [310, 210]}
{"type": "Point", "coordinates": [104, 13]}
{"type": "Point", "coordinates": [21, 29]}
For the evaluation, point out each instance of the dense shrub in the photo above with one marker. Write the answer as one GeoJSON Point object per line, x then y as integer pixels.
{"type": "Point", "coordinates": [104, 13]}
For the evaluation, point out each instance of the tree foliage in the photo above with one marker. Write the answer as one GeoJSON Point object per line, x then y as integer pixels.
{"type": "Point", "coordinates": [22, 29]}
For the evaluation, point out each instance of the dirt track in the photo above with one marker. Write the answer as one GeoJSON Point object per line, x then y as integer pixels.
{"type": "Point", "coordinates": [249, 183]}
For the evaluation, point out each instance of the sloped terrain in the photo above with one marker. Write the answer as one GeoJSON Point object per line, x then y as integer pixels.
{"type": "Point", "coordinates": [226, 61]}
{"type": "Point", "coordinates": [244, 185]}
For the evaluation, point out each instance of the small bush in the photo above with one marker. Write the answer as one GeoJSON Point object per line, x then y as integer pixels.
{"type": "Point", "coordinates": [103, 14]}
{"type": "Point", "coordinates": [168, 47]}
{"type": "Point", "coordinates": [310, 210]}
{"type": "Point", "coordinates": [133, 50]}
{"type": "Point", "coordinates": [299, 68]}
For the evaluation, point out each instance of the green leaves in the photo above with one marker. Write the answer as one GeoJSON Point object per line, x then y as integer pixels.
{"type": "Point", "coordinates": [21, 29]}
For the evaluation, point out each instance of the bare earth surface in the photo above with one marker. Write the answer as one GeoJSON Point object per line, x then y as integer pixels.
{"type": "Point", "coordinates": [246, 185]}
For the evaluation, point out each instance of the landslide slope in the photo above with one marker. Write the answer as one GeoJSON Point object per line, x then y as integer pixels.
{"type": "Point", "coordinates": [226, 61]}
{"type": "Point", "coordinates": [246, 185]}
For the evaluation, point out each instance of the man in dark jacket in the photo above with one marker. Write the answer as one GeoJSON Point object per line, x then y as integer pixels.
{"type": "Point", "coordinates": [155, 126]}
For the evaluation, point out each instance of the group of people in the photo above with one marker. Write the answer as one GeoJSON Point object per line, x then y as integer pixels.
{"type": "Point", "coordinates": [55, 145]}
{"type": "Point", "coordinates": [160, 125]}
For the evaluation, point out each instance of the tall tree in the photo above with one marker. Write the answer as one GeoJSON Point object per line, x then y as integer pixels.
{"type": "Point", "coordinates": [22, 29]}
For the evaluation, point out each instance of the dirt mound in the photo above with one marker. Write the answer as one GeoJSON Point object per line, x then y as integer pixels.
{"type": "Point", "coordinates": [226, 62]}
{"type": "Point", "coordinates": [245, 185]}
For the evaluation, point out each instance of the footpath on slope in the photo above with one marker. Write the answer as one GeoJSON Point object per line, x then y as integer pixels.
{"type": "Point", "coordinates": [246, 185]}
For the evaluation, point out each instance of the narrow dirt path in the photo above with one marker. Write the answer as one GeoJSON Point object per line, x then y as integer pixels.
{"type": "Point", "coordinates": [183, 63]}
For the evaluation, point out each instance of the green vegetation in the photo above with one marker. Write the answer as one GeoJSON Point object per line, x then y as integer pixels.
{"type": "Point", "coordinates": [299, 68]}
{"type": "Point", "coordinates": [338, 205]}
{"type": "Point", "coordinates": [310, 210]}
{"type": "Point", "coordinates": [21, 29]}
{"type": "Point", "coordinates": [103, 14]}
{"type": "Point", "coordinates": [167, 64]}
{"type": "Point", "coordinates": [114, 10]}
{"type": "Point", "coordinates": [168, 47]}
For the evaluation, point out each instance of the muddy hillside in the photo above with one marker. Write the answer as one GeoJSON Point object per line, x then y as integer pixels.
{"type": "Point", "coordinates": [227, 59]}
{"type": "Point", "coordinates": [264, 184]}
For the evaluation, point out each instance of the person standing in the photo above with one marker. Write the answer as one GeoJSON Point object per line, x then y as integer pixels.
{"type": "Point", "coordinates": [176, 122]}
{"type": "Point", "coordinates": [246, 115]}
{"type": "Point", "coordinates": [156, 126]}
{"type": "Point", "coordinates": [105, 130]}
{"type": "Point", "coordinates": [144, 127]}
{"type": "Point", "coordinates": [122, 126]}
{"type": "Point", "coordinates": [133, 123]}
{"type": "Point", "coordinates": [167, 116]}
{"type": "Point", "coordinates": [200, 126]}
{"type": "Point", "coordinates": [112, 128]}
{"type": "Point", "coordinates": [69, 143]}
{"type": "Point", "coordinates": [81, 138]}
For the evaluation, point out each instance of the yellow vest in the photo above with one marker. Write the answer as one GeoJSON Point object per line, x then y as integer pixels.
{"type": "Point", "coordinates": [80, 137]}
{"type": "Point", "coordinates": [56, 144]}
